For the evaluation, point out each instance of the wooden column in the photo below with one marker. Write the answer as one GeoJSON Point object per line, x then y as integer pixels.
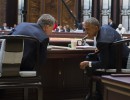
{"type": "Point", "coordinates": [96, 9]}
{"type": "Point", "coordinates": [79, 10]}
{"type": "Point", "coordinates": [115, 11]}
{"type": "Point", "coordinates": [120, 7]}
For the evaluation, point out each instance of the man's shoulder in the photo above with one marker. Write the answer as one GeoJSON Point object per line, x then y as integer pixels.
{"type": "Point", "coordinates": [27, 26]}
{"type": "Point", "coordinates": [108, 34]}
{"type": "Point", "coordinates": [27, 23]}
{"type": "Point", "coordinates": [105, 26]}
{"type": "Point", "coordinates": [108, 28]}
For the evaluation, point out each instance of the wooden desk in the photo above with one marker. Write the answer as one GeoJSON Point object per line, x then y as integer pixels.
{"type": "Point", "coordinates": [67, 35]}
{"type": "Point", "coordinates": [3, 32]}
{"type": "Point", "coordinates": [64, 38]}
{"type": "Point", "coordinates": [116, 88]}
{"type": "Point", "coordinates": [126, 36]}
{"type": "Point", "coordinates": [62, 77]}
{"type": "Point", "coordinates": [65, 41]}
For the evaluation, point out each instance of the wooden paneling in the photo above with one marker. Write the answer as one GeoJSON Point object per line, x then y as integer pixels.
{"type": "Point", "coordinates": [33, 10]}
{"type": "Point", "coordinates": [51, 7]}
{"type": "Point", "coordinates": [65, 15]}
{"type": "Point", "coordinates": [62, 77]}
{"type": "Point", "coordinates": [2, 11]}
{"type": "Point", "coordinates": [56, 8]}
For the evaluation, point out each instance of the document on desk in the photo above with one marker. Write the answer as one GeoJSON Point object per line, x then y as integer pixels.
{"type": "Point", "coordinates": [87, 47]}
{"type": "Point", "coordinates": [53, 47]}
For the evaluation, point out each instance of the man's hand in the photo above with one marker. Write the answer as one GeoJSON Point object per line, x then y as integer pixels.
{"type": "Point", "coordinates": [96, 50]}
{"type": "Point", "coordinates": [84, 64]}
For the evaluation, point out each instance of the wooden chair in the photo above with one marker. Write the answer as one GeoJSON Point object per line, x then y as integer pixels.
{"type": "Point", "coordinates": [11, 53]}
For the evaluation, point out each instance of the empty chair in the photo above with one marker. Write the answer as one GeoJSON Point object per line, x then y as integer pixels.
{"type": "Point", "coordinates": [11, 53]}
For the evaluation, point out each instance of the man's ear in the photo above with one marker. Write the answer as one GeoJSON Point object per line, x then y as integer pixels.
{"type": "Point", "coordinates": [45, 27]}
{"type": "Point", "coordinates": [97, 28]}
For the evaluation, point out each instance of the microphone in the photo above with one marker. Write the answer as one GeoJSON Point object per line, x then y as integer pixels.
{"type": "Point", "coordinates": [85, 37]}
{"type": "Point", "coordinates": [83, 41]}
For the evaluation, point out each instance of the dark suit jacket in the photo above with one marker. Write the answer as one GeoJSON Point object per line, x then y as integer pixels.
{"type": "Point", "coordinates": [34, 30]}
{"type": "Point", "coordinates": [113, 25]}
{"type": "Point", "coordinates": [105, 37]}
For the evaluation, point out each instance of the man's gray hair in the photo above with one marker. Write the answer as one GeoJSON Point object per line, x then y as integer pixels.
{"type": "Point", "coordinates": [46, 19]}
{"type": "Point", "coordinates": [93, 21]}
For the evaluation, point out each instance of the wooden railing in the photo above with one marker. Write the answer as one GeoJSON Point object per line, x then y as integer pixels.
{"type": "Point", "coordinates": [3, 32]}
{"type": "Point", "coordinates": [67, 35]}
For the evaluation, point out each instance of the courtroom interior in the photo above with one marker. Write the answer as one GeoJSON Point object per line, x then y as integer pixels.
{"type": "Point", "coordinates": [63, 75]}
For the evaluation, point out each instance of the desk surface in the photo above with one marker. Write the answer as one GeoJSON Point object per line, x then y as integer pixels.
{"type": "Point", "coordinates": [124, 79]}
{"type": "Point", "coordinates": [117, 80]}
{"type": "Point", "coordinates": [64, 41]}
{"type": "Point", "coordinates": [116, 88]}
{"type": "Point", "coordinates": [56, 39]}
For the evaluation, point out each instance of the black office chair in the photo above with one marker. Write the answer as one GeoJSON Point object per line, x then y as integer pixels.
{"type": "Point", "coordinates": [11, 53]}
{"type": "Point", "coordinates": [116, 69]}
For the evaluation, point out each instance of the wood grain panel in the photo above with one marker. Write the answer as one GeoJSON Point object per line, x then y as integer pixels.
{"type": "Point", "coordinates": [58, 10]}
{"type": "Point", "coordinates": [34, 10]}
{"type": "Point", "coordinates": [2, 11]}
{"type": "Point", "coordinates": [51, 7]}
{"type": "Point", "coordinates": [66, 18]}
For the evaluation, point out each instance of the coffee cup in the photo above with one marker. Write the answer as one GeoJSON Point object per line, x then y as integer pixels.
{"type": "Point", "coordinates": [73, 43]}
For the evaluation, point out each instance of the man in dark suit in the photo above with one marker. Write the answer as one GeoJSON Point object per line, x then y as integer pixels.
{"type": "Point", "coordinates": [38, 30]}
{"type": "Point", "coordinates": [105, 35]}
{"type": "Point", "coordinates": [4, 26]}
{"type": "Point", "coordinates": [112, 24]}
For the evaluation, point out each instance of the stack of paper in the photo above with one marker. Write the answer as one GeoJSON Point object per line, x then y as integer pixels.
{"type": "Point", "coordinates": [86, 47]}
{"type": "Point", "coordinates": [50, 47]}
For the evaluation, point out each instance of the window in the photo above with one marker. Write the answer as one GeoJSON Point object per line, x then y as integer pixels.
{"type": "Point", "coordinates": [125, 14]}
{"type": "Point", "coordinates": [105, 11]}
{"type": "Point", "coordinates": [87, 9]}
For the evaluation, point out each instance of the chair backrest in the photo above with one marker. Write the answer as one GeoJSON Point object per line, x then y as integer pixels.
{"type": "Point", "coordinates": [11, 53]}
{"type": "Point", "coordinates": [115, 54]}
{"type": "Point", "coordinates": [119, 54]}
